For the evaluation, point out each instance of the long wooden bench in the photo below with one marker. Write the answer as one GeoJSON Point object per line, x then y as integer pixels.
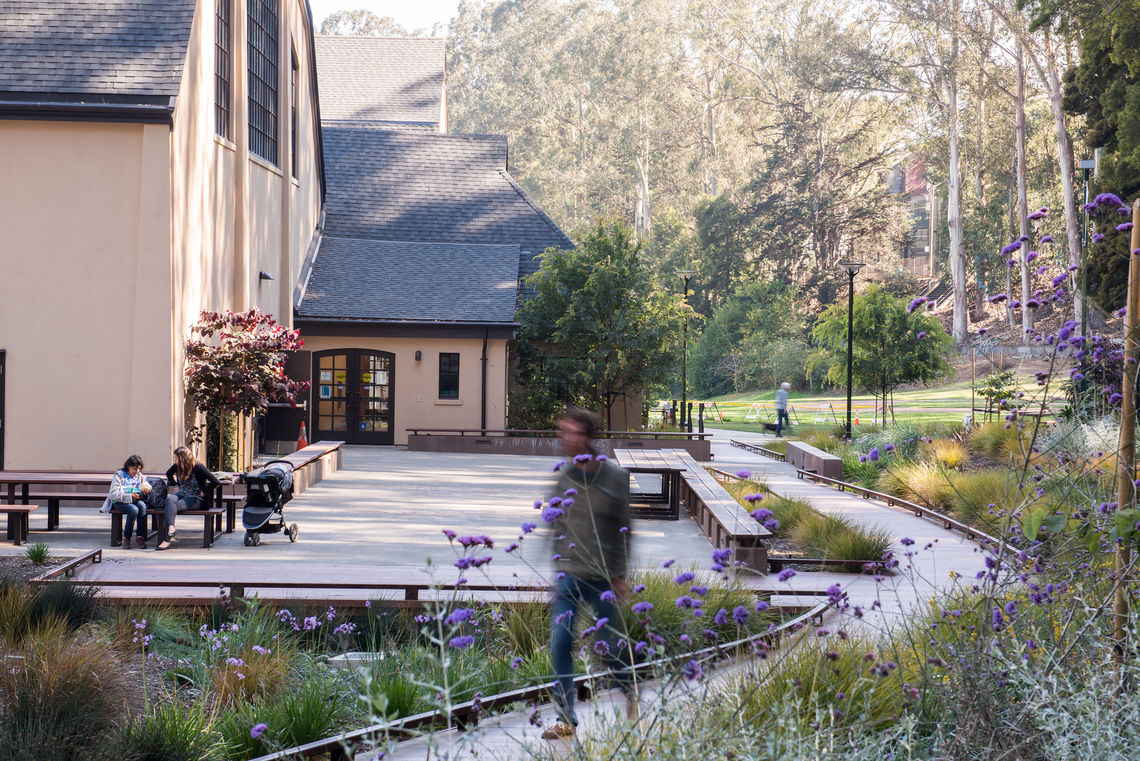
{"type": "Point", "coordinates": [18, 521]}
{"type": "Point", "coordinates": [228, 508]}
{"type": "Point", "coordinates": [723, 520]}
{"type": "Point", "coordinates": [814, 460]}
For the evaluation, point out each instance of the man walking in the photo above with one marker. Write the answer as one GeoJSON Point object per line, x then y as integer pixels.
{"type": "Point", "coordinates": [590, 525]}
{"type": "Point", "coordinates": [782, 407]}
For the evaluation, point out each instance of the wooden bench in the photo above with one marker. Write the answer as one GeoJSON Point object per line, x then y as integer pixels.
{"type": "Point", "coordinates": [814, 460]}
{"type": "Point", "coordinates": [18, 521]}
{"type": "Point", "coordinates": [723, 520]}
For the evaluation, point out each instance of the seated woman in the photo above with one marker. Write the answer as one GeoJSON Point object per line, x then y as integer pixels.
{"type": "Point", "coordinates": [192, 487]}
{"type": "Point", "coordinates": [128, 495]}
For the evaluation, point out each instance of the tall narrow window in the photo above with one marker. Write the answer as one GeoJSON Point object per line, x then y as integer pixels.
{"type": "Point", "coordinates": [263, 79]}
{"type": "Point", "coordinates": [223, 44]}
{"type": "Point", "coordinates": [448, 375]}
{"type": "Point", "coordinates": [293, 93]}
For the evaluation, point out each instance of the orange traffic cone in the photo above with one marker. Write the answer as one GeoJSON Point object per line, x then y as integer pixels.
{"type": "Point", "coordinates": [856, 423]}
{"type": "Point", "coordinates": [303, 439]}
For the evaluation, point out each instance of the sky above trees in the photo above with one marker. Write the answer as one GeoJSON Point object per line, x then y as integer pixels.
{"type": "Point", "coordinates": [423, 14]}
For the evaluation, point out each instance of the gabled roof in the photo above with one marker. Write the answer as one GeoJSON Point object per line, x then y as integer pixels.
{"type": "Point", "coordinates": [430, 187]}
{"type": "Point", "coordinates": [408, 282]}
{"type": "Point", "coordinates": [116, 53]}
{"type": "Point", "coordinates": [381, 80]}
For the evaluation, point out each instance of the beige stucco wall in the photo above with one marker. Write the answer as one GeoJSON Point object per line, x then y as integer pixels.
{"type": "Point", "coordinates": [85, 293]}
{"type": "Point", "coordinates": [417, 383]}
{"type": "Point", "coordinates": [236, 215]}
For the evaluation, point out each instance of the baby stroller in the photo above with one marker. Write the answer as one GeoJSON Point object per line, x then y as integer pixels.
{"type": "Point", "coordinates": [266, 491]}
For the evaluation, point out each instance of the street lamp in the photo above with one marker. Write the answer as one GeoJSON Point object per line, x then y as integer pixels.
{"type": "Point", "coordinates": [685, 275]}
{"type": "Point", "coordinates": [850, 268]}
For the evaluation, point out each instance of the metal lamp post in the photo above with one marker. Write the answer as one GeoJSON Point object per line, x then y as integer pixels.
{"type": "Point", "coordinates": [686, 424]}
{"type": "Point", "coordinates": [850, 268]}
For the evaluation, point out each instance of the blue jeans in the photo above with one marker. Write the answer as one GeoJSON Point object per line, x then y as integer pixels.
{"type": "Point", "coordinates": [569, 595]}
{"type": "Point", "coordinates": [133, 510]}
{"type": "Point", "coordinates": [781, 420]}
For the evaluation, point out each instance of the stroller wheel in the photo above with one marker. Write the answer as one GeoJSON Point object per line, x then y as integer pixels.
{"type": "Point", "coordinates": [248, 539]}
{"type": "Point", "coordinates": [256, 539]}
{"type": "Point", "coordinates": [293, 531]}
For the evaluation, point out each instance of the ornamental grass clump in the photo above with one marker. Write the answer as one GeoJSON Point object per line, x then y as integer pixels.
{"type": "Point", "coordinates": [979, 498]}
{"type": "Point", "coordinates": [789, 512]}
{"type": "Point", "coordinates": [63, 699]}
{"type": "Point", "coordinates": [1000, 441]}
{"type": "Point", "coordinates": [949, 453]}
{"type": "Point", "coordinates": [857, 469]}
{"type": "Point", "coordinates": [170, 732]}
{"type": "Point", "coordinates": [852, 680]}
{"type": "Point", "coordinates": [925, 483]}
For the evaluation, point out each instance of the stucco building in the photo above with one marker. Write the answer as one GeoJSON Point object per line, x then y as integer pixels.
{"type": "Point", "coordinates": [164, 157]}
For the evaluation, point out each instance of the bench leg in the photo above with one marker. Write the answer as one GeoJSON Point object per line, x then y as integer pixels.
{"type": "Point", "coordinates": [53, 514]}
{"type": "Point", "coordinates": [18, 528]}
{"type": "Point", "coordinates": [158, 525]}
{"type": "Point", "coordinates": [231, 517]}
{"type": "Point", "coordinates": [116, 529]}
{"type": "Point", "coordinates": [208, 532]}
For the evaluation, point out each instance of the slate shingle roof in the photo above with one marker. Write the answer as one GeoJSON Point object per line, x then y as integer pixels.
{"type": "Point", "coordinates": [381, 80]}
{"type": "Point", "coordinates": [429, 187]}
{"type": "Point", "coordinates": [94, 47]}
{"type": "Point", "coordinates": [405, 281]}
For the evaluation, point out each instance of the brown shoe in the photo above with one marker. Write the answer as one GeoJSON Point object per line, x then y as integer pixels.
{"type": "Point", "coordinates": [126, 542]}
{"type": "Point", "coordinates": [140, 541]}
{"type": "Point", "coordinates": [558, 730]}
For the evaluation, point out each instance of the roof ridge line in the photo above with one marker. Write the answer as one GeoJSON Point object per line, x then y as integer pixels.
{"type": "Point", "coordinates": [538, 209]}
{"type": "Point", "coordinates": [330, 236]}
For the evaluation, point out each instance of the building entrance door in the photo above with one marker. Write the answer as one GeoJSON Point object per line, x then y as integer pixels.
{"type": "Point", "coordinates": [352, 396]}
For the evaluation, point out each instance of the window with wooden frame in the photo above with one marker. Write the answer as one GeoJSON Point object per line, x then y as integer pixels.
{"type": "Point", "coordinates": [223, 63]}
{"type": "Point", "coordinates": [448, 375]}
{"type": "Point", "coordinates": [263, 79]}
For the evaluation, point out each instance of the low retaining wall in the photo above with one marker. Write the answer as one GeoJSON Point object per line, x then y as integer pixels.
{"type": "Point", "coordinates": [698, 449]}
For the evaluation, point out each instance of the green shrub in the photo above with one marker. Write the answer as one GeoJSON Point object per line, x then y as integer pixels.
{"type": "Point", "coordinates": [37, 552]}
{"type": "Point", "coordinates": [171, 733]}
{"type": "Point", "coordinates": [921, 482]}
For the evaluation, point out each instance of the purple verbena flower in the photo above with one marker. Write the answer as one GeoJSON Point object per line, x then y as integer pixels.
{"type": "Point", "coordinates": [461, 642]}
{"type": "Point", "coordinates": [916, 303]}
{"type": "Point", "coordinates": [257, 730]}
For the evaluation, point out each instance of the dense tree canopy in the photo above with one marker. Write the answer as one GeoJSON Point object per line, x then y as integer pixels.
{"type": "Point", "coordinates": [598, 329]}
{"type": "Point", "coordinates": [890, 345]}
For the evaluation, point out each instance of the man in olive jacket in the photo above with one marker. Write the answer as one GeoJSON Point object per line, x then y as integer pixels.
{"type": "Point", "coordinates": [590, 522]}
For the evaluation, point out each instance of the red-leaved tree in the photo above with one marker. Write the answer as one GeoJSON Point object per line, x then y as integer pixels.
{"type": "Point", "coordinates": [235, 363]}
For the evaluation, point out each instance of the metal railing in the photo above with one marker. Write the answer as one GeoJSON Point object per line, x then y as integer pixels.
{"type": "Point", "coordinates": [342, 747]}
{"type": "Point", "coordinates": [920, 510]}
{"type": "Point", "coordinates": [759, 450]}
{"type": "Point", "coordinates": [549, 434]}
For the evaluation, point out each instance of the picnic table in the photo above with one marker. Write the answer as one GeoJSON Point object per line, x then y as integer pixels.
{"type": "Point", "coordinates": [54, 486]}
{"type": "Point", "coordinates": [663, 463]}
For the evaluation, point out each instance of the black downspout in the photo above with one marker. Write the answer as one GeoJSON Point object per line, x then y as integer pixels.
{"type": "Point", "coordinates": [483, 404]}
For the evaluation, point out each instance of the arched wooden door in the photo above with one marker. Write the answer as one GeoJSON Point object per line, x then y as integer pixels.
{"type": "Point", "coordinates": [352, 396]}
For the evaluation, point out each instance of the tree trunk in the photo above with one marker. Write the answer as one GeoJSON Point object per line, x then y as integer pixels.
{"type": "Point", "coordinates": [1012, 232]}
{"type": "Point", "coordinates": [1052, 80]}
{"type": "Point", "coordinates": [954, 203]}
{"type": "Point", "coordinates": [980, 194]}
{"type": "Point", "coordinates": [1022, 196]}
